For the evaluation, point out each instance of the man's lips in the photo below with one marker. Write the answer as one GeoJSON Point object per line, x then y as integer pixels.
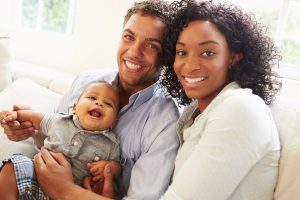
{"type": "Point", "coordinates": [132, 66]}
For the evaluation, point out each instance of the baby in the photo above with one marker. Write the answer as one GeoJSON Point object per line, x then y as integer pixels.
{"type": "Point", "coordinates": [83, 137]}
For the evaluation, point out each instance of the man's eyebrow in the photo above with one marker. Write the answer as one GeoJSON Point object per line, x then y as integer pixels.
{"type": "Point", "coordinates": [128, 30]}
{"type": "Point", "coordinates": [153, 40]}
{"type": "Point", "coordinates": [147, 39]}
{"type": "Point", "coordinates": [200, 43]}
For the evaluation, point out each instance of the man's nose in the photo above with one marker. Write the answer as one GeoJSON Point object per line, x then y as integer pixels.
{"type": "Point", "coordinates": [136, 50]}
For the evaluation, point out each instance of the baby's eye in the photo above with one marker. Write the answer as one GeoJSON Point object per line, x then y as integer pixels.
{"type": "Point", "coordinates": [93, 98]}
{"type": "Point", "coordinates": [181, 53]}
{"type": "Point", "coordinates": [108, 104]}
{"type": "Point", "coordinates": [208, 53]}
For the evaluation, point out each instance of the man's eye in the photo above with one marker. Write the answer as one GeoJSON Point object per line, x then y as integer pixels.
{"type": "Point", "coordinates": [128, 37]}
{"type": "Point", "coordinates": [181, 53]}
{"type": "Point", "coordinates": [208, 53]}
{"type": "Point", "coordinates": [153, 46]}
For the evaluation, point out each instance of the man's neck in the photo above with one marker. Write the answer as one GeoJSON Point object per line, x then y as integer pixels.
{"type": "Point", "coordinates": [126, 91]}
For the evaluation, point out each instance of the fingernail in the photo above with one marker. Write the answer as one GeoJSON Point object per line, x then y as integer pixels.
{"type": "Point", "coordinates": [27, 124]}
{"type": "Point", "coordinates": [107, 168]}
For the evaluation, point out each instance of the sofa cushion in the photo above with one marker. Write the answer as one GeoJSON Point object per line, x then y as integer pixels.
{"type": "Point", "coordinates": [286, 112]}
{"type": "Point", "coordinates": [25, 91]}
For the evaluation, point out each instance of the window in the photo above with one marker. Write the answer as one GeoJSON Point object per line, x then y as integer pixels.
{"type": "Point", "coordinates": [48, 15]}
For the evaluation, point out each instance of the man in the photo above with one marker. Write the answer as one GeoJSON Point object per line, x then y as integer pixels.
{"type": "Point", "coordinates": [147, 118]}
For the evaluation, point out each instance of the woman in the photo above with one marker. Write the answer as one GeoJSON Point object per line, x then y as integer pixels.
{"type": "Point", "coordinates": [221, 68]}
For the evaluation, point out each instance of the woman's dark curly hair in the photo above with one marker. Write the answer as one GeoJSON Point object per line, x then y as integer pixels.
{"type": "Point", "coordinates": [243, 35]}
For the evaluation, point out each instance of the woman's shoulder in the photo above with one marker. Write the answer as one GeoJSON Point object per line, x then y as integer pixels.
{"type": "Point", "coordinates": [235, 96]}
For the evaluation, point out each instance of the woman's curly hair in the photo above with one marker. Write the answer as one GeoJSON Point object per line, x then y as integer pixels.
{"type": "Point", "coordinates": [243, 35]}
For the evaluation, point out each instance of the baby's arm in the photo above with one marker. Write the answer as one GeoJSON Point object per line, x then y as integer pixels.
{"type": "Point", "coordinates": [21, 116]}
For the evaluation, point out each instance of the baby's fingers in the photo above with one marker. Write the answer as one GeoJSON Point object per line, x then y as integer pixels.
{"type": "Point", "coordinates": [9, 117]}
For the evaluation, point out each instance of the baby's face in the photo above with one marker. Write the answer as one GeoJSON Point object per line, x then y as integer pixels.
{"type": "Point", "coordinates": [97, 107]}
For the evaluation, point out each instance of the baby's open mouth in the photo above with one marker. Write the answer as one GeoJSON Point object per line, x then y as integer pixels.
{"type": "Point", "coordinates": [96, 113]}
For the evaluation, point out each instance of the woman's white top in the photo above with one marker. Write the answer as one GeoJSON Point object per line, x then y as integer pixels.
{"type": "Point", "coordinates": [230, 151]}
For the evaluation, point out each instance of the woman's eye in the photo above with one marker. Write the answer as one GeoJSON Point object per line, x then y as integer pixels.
{"type": "Point", "coordinates": [208, 53]}
{"type": "Point", "coordinates": [181, 53]}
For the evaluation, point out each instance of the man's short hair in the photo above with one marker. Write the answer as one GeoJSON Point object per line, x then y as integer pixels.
{"type": "Point", "coordinates": [157, 8]}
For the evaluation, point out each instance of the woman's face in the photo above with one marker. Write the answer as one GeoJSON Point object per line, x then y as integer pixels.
{"type": "Point", "coordinates": [202, 61]}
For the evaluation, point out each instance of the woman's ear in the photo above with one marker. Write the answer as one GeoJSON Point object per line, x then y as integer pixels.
{"type": "Point", "coordinates": [236, 57]}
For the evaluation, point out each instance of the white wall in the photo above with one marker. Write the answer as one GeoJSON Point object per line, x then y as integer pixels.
{"type": "Point", "coordinates": [97, 30]}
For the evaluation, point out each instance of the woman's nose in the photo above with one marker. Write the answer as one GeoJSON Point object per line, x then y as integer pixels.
{"type": "Point", "coordinates": [192, 63]}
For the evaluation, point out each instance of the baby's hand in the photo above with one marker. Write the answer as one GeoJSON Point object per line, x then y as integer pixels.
{"type": "Point", "coordinates": [97, 168]}
{"type": "Point", "coordinates": [8, 116]}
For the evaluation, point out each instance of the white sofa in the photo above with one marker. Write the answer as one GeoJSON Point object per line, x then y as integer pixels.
{"type": "Point", "coordinates": [42, 88]}
{"type": "Point", "coordinates": [36, 86]}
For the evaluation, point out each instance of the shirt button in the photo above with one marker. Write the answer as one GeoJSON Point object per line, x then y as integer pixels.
{"type": "Point", "coordinates": [96, 158]}
{"type": "Point", "coordinates": [75, 143]}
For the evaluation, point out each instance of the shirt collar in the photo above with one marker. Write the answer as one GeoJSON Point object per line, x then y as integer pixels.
{"type": "Point", "coordinates": [140, 97]}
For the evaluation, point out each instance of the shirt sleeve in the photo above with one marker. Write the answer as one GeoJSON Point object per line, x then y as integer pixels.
{"type": "Point", "coordinates": [46, 124]}
{"type": "Point", "coordinates": [151, 173]}
{"type": "Point", "coordinates": [234, 138]}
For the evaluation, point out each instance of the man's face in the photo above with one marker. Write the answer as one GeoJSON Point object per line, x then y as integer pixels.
{"type": "Point", "coordinates": [138, 51]}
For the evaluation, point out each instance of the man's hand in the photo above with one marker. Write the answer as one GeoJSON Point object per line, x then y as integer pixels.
{"type": "Point", "coordinates": [103, 187]}
{"type": "Point", "coordinates": [54, 173]}
{"type": "Point", "coordinates": [17, 131]}
{"type": "Point", "coordinates": [8, 116]}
